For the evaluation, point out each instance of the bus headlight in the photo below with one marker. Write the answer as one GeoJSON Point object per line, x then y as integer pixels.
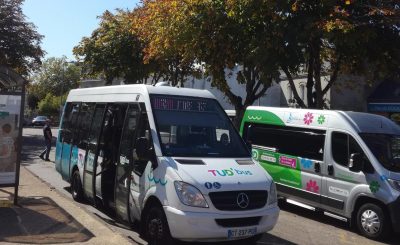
{"type": "Point", "coordinates": [395, 184]}
{"type": "Point", "coordinates": [272, 197]}
{"type": "Point", "coordinates": [190, 195]}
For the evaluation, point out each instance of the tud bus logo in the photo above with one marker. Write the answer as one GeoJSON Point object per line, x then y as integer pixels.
{"type": "Point", "coordinates": [229, 172]}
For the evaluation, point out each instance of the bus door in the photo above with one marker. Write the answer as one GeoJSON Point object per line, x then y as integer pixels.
{"type": "Point", "coordinates": [125, 162]}
{"type": "Point", "coordinates": [91, 152]}
{"type": "Point", "coordinates": [107, 151]}
{"type": "Point", "coordinates": [143, 155]}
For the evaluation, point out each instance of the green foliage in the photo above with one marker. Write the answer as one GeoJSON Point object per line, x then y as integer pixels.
{"type": "Point", "coordinates": [55, 75]}
{"type": "Point", "coordinates": [19, 40]}
{"type": "Point", "coordinates": [218, 35]}
{"type": "Point", "coordinates": [50, 105]}
{"type": "Point", "coordinates": [341, 37]}
{"type": "Point", "coordinates": [113, 50]}
{"type": "Point", "coordinates": [32, 101]}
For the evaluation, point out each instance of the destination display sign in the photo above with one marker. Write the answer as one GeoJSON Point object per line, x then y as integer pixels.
{"type": "Point", "coordinates": [173, 103]}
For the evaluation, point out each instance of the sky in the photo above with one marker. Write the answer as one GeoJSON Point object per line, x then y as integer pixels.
{"type": "Point", "coordinates": [64, 22]}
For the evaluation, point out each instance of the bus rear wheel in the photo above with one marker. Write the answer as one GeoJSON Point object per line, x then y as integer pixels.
{"type": "Point", "coordinates": [156, 228]}
{"type": "Point", "coordinates": [76, 187]}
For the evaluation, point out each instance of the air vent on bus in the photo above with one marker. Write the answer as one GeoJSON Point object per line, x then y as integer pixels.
{"type": "Point", "coordinates": [245, 162]}
{"type": "Point", "coordinates": [190, 161]}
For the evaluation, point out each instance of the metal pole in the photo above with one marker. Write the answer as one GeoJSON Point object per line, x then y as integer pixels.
{"type": "Point", "coordinates": [18, 163]}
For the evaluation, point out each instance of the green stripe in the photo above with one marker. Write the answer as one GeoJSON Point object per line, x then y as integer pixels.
{"type": "Point", "coordinates": [260, 116]}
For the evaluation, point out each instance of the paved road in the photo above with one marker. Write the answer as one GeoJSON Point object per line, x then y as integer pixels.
{"type": "Point", "coordinates": [296, 225]}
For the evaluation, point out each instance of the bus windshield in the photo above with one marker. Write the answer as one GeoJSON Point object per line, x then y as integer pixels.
{"type": "Point", "coordinates": [195, 127]}
{"type": "Point", "coordinates": [386, 149]}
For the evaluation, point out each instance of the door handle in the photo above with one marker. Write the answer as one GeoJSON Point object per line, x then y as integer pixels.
{"type": "Point", "coordinates": [330, 169]}
{"type": "Point", "coordinates": [317, 167]}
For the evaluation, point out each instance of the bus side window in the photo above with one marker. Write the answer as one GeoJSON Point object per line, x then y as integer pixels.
{"type": "Point", "coordinates": [64, 132]}
{"type": "Point", "coordinates": [85, 120]}
{"type": "Point", "coordinates": [143, 149]}
{"type": "Point", "coordinates": [68, 122]}
{"type": "Point", "coordinates": [74, 123]}
{"type": "Point", "coordinates": [128, 135]}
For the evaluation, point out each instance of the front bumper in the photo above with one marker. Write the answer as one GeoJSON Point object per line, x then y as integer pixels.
{"type": "Point", "coordinates": [202, 227]}
{"type": "Point", "coordinates": [394, 211]}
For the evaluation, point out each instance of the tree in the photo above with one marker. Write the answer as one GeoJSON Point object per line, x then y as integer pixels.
{"type": "Point", "coordinates": [341, 37]}
{"type": "Point", "coordinates": [50, 105]}
{"type": "Point", "coordinates": [158, 25]}
{"type": "Point", "coordinates": [55, 76]}
{"type": "Point", "coordinates": [19, 40]}
{"type": "Point", "coordinates": [220, 35]}
{"type": "Point", "coordinates": [114, 50]}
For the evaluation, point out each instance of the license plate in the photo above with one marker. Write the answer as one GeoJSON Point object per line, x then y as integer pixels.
{"type": "Point", "coordinates": [235, 233]}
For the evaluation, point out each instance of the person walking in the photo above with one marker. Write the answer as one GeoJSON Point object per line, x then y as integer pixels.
{"type": "Point", "coordinates": [47, 139]}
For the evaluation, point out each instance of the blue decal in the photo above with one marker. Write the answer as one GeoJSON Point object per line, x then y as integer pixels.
{"type": "Point", "coordinates": [306, 163]}
{"type": "Point", "coordinates": [383, 178]}
{"type": "Point", "coordinates": [208, 185]}
{"type": "Point", "coordinates": [217, 185]}
{"type": "Point", "coordinates": [156, 181]}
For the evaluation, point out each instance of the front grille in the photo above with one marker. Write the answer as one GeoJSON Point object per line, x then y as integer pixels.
{"type": "Point", "coordinates": [228, 200]}
{"type": "Point", "coordinates": [239, 222]}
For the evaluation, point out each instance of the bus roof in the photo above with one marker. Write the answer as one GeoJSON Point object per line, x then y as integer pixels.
{"type": "Point", "coordinates": [81, 93]}
{"type": "Point", "coordinates": [358, 121]}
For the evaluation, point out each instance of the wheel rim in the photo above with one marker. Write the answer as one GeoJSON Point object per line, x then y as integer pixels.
{"type": "Point", "coordinates": [156, 229]}
{"type": "Point", "coordinates": [370, 222]}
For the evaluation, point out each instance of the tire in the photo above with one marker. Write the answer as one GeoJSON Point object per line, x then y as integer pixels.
{"type": "Point", "coordinates": [372, 221]}
{"type": "Point", "coordinates": [156, 228]}
{"type": "Point", "coordinates": [76, 187]}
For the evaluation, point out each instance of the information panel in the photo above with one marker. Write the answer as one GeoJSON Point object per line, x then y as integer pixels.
{"type": "Point", "coordinates": [10, 106]}
{"type": "Point", "coordinates": [172, 103]}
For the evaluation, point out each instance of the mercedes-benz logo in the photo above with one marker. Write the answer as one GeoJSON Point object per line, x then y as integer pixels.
{"type": "Point", "coordinates": [242, 200]}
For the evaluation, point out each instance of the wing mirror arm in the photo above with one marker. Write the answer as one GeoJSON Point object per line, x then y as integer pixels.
{"type": "Point", "coordinates": [356, 163]}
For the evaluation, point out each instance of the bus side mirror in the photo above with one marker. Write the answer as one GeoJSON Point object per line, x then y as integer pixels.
{"type": "Point", "coordinates": [144, 152]}
{"type": "Point", "coordinates": [142, 148]}
{"type": "Point", "coordinates": [356, 163]}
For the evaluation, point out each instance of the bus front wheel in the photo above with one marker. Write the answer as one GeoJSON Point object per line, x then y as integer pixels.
{"type": "Point", "coordinates": [76, 187]}
{"type": "Point", "coordinates": [156, 227]}
{"type": "Point", "coordinates": [372, 221]}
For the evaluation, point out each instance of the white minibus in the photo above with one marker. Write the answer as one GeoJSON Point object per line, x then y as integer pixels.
{"type": "Point", "coordinates": [167, 157]}
{"type": "Point", "coordinates": [344, 163]}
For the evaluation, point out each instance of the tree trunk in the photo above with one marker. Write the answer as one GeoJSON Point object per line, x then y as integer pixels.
{"type": "Point", "coordinates": [310, 77]}
{"type": "Point", "coordinates": [293, 86]}
{"type": "Point", "coordinates": [319, 101]}
{"type": "Point", "coordinates": [240, 109]}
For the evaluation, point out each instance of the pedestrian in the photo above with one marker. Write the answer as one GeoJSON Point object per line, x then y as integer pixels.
{"type": "Point", "coordinates": [47, 139]}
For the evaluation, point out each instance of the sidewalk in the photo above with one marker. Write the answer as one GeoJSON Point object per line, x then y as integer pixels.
{"type": "Point", "coordinates": [45, 216]}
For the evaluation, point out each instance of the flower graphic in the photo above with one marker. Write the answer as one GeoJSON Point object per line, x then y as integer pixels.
{"type": "Point", "coordinates": [308, 118]}
{"type": "Point", "coordinates": [321, 119]}
{"type": "Point", "coordinates": [312, 186]}
{"type": "Point", "coordinates": [305, 163]}
{"type": "Point", "coordinates": [374, 186]}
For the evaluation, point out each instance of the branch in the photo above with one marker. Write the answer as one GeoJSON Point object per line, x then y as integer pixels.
{"type": "Point", "coordinates": [292, 85]}
{"type": "Point", "coordinates": [333, 76]}
{"type": "Point", "coordinates": [261, 93]}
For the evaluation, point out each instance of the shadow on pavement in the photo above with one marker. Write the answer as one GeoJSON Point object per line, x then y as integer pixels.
{"type": "Point", "coordinates": [40, 220]}
{"type": "Point", "coordinates": [273, 240]}
{"type": "Point", "coordinates": [32, 145]}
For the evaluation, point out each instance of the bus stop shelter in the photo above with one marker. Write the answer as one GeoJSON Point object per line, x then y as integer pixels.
{"type": "Point", "coordinates": [12, 99]}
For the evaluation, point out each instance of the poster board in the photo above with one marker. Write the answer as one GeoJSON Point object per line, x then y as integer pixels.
{"type": "Point", "coordinates": [10, 119]}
